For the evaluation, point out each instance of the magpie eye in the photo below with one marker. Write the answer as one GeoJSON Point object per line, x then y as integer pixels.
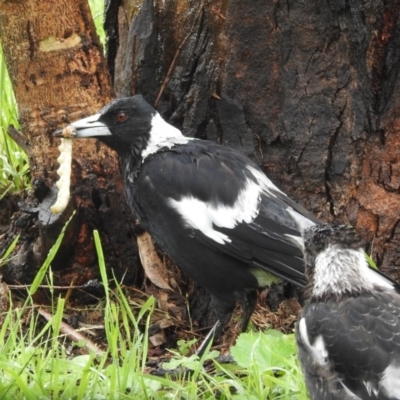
{"type": "Point", "coordinates": [121, 117]}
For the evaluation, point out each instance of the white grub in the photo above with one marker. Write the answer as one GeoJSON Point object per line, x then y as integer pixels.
{"type": "Point", "coordinates": [64, 171]}
{"type": "Point", "coordinates": [68, 132]}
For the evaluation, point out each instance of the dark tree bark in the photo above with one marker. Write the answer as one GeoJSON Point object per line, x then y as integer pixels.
{"type": "Point", "coordinates": [307, 89]}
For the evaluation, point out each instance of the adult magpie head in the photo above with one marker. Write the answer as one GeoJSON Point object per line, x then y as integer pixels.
{"type": "Point", "coordinates": [123, 123]}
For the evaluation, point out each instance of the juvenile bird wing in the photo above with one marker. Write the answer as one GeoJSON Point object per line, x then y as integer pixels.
{"type": "Point", "coordinates": [358, 339]}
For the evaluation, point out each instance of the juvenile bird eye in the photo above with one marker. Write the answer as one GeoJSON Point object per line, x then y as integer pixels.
{"type": "Point", "coordinates": [121, 116]}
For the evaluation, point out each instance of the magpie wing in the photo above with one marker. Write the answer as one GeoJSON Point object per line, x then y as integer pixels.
{"type": "Point", "coordinates": [361, 337]}
{"type": "Point", "coordinates": [270, 242]}
{"type": "Point", "coordinates": [229, 205]}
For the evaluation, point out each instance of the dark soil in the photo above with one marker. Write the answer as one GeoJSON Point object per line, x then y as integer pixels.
{"type": "Point", "coordinates": [8, 206]}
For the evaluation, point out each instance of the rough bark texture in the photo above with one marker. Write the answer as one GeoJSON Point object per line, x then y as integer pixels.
{"type": "Point", "coordinates": [308, 89]}
{"type": "Point", "coordinates": [59, 74]}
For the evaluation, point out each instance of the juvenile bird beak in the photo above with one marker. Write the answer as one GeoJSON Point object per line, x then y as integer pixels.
{"type": "Point", "coordinates": [85, 128]}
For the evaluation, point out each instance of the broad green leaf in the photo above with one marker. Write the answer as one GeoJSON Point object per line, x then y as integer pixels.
{"type": "Point", "coordinates": [269, 350]}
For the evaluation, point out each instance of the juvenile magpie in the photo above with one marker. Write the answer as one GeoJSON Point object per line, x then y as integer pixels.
{"type": "Point", "coordinates": [348, 333]}
{"type": "Point", "coordinates": [211, 209]}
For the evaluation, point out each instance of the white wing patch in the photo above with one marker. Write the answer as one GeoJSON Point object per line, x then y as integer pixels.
{"type": "Point", "coordinates": [202, 216]}
{"type": "Point", "coordinates": [318, 349]}
{"type": "Point", "coordinates": [390, 381]}
{"type": "Point", "coordinates": [199, 215]}
{"type": "Point", "coordinates": [163, 134]}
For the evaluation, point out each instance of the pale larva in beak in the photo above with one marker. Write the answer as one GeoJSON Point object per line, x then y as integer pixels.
{"type": "Point", "coordinates": [64, 171]}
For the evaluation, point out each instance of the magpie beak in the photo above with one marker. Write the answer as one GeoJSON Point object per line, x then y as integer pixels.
{"type": "Point", "coordinates": [89, 127]}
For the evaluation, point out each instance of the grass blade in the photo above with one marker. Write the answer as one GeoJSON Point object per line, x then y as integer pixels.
{"type": "Point", "coordinates": [3, 259]}
{"type": "Point", "coordinates": [50, 257]}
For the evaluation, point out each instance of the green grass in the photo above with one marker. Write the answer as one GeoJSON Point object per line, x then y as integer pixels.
{"type": "Point", "coordinates": [97, 10]}
{"type": "Point", "coordinates": [14, 167]}
{"type": "Point", "coordinates": [38, 360]}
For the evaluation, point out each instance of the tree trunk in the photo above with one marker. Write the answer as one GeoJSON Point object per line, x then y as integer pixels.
{"type": "Point", "coordinates": [59, 74]}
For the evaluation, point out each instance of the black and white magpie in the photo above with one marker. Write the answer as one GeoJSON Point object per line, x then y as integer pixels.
{"type": "Point", "coordinates": [211, 209]}
{"type": "Point", "coordinates": [348, 333]}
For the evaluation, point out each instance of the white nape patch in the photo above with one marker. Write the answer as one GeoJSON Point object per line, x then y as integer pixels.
{"type": "Point", "coordinates": [390, 381]}
{"type": "Point", "coordinates": [339, 270]}
{"type": "Point", "coordinates": [202, 216]}
{"type": "Point", "coordinates": [163, 134]}
{"type": "Point", "coordinates": [318, 349]}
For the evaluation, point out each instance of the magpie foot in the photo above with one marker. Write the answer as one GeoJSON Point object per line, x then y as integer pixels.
{"type": "Point", "coordinates": [227, 359]}
{"type": "Point", "coordinates": [176, 373]}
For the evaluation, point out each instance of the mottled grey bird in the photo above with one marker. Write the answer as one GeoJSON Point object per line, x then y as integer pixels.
{"type": "Point", "coordinates": [348, 333]}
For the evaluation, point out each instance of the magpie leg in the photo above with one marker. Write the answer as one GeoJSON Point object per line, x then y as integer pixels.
{"type": "Point", "coordinates": [175, 373]}
{"type": "Point", "coordinates": [224, 312]}
{"type": "Point", "coordinates": [247, 301]}
{"type": "Point", "coordinates": [209, 338]}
